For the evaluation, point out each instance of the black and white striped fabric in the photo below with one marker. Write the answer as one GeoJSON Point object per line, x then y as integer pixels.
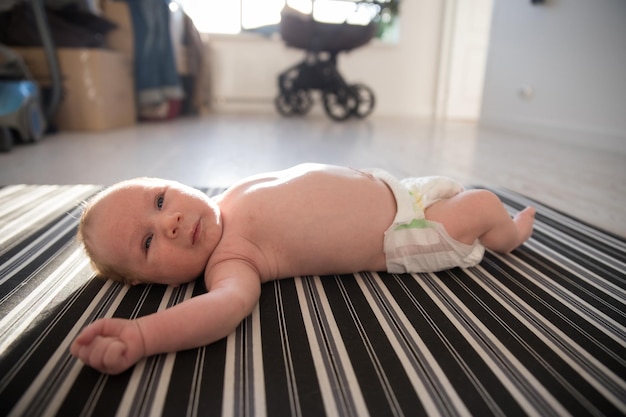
{"type": "Point", "coordinates": [540, 332]}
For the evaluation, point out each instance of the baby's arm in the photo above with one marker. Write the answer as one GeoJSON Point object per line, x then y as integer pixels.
{"type": "Point", "coordinates": [113, 345]}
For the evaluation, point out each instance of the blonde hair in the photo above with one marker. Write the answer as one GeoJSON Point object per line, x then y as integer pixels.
{"type": "Point", "coordinates": [102, 269]}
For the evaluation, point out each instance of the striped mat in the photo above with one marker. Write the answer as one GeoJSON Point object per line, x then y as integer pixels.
{"type": "Point", "coordinates": [540, 332]}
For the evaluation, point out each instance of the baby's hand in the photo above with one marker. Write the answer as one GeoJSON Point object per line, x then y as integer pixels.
{"type": "Point", "coordinates": [110, 345]}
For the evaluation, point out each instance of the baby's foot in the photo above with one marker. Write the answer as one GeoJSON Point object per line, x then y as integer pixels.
{"type": "Point", "coordinates": [524, 221]}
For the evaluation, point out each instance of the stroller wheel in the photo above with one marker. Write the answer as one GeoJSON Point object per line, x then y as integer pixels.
{"type": "Point", "coordinates": [294, 103]}
{"type": "Point", "coordinates": [340, 104]}
{"type": "Point", "coordinates": [365, 100]}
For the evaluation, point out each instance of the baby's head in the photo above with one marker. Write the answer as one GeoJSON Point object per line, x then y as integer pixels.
{"type": "Point", "coordinates": [150, 230]}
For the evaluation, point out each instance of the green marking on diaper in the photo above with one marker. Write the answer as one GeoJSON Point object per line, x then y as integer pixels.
{"type": "Point", "coordinates": [415, 224]}
{"type": "Point", "coordinates": [417, 198]}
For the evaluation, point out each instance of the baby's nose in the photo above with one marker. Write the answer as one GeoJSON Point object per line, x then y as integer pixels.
{"type": "Point", "coordinates": [172, 224]}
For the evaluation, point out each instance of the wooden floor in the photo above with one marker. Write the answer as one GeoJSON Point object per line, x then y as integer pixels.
{"type": "Point", "coordinates": [584, 181]}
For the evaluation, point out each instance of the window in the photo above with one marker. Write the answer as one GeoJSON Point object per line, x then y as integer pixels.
{"type": "Point", "coordinates": [236, 16]}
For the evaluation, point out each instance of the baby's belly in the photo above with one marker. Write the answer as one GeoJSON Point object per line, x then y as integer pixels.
{"type": "Point", "coordinates": [332, 259]}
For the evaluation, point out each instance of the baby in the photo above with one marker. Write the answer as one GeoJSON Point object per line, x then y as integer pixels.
{"type": "Point", "coordinates": [307, 220]}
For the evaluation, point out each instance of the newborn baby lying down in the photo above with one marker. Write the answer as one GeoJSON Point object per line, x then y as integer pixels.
{"type": "Point", "coordinates": [311, 219]}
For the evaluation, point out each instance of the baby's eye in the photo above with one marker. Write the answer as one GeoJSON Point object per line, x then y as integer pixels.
{"type": "Point", "coordinates": [147, 243]}
{"type": "Point", "coordinates": [159, 201]}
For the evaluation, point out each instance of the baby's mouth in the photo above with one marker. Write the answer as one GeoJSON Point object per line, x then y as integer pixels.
{"type": "Point", "coordinates": [196, 233]}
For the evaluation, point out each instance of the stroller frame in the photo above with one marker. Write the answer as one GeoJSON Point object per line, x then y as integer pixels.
{"type": "Point", "coordinates": [318, 71]}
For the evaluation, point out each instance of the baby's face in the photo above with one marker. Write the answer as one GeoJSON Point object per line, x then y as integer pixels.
{"type": "Point", "coordinates": [161, 231]}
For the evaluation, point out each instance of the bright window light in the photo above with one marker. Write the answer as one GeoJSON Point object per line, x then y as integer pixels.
{"type": "Point", "coordinates": [214, 16]}
{"type": "Point", "coordinates": [330, 11]}
{"type": "Point", "coordinates": [304, 6]}
{"type": "Point", "coordinates": [233, 16]}
{"type": "Point", "coordinates": [260, 13]}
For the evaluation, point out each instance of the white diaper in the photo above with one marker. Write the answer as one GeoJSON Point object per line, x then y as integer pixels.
{"type": "Point", "coordinates": [414, 244]}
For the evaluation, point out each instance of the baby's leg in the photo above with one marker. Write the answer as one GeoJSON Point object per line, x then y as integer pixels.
{"type": "Point", "coordinates": [479, 214]}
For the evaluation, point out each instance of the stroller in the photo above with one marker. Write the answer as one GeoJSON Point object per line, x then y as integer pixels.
{"type": "Point", "coordinates": [318, 70]}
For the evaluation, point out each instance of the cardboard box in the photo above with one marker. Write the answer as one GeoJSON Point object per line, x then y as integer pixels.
{"type": "Point", "coordinates": [122, 38]}
{"type": "Point", "coordinates": [98, 89]}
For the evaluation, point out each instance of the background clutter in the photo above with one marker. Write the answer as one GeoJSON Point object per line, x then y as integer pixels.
{"type": "Point", "coordinates": [119, 61]}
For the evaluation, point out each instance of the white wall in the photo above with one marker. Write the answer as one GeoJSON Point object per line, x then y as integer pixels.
{"type": "Point", "coordinates": [403, 76]}
{"type": "Point", "coordinates": [558, 69]}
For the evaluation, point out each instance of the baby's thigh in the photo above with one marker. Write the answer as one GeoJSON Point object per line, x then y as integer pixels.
{"type": "Point", "coordinates": [466, 216]}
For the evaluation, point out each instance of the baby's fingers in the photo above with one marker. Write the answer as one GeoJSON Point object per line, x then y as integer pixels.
{"type": "Point", "coordinates": [85, 338]}
{"type": "Point", "coordinates": [104, 354]}
{"type": "Point", "coordinates": [109, 345]}
{"type": "Point", "coordinates": [88, 333]}
{"type": "Point", "coordinates": [102, 327]}
{"type": "Point", "coordinates": [88, 352]}
{"type": "Point", "coordinates": [114, 359]}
